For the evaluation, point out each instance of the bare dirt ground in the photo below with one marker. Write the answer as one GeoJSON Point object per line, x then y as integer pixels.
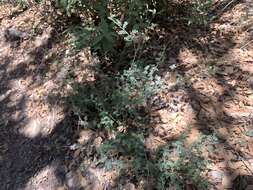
{"type": "Point", "coordinates": [34, 134]}
{"type": "Point", "coordinates": [37, 134]}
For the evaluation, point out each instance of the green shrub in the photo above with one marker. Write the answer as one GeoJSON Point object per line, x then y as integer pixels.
{"type": "Point", "coordinates": [100, 37]}
{"type": "Point", "coordinates": [121, 99]}
{"type": "Point", "coordinates": [134, 156]}
{"type": "Point", "coordinates": [179, 166]}
{"type": "Point", "coordinates": [174, 166]}
{"type": "Point", "coordinates": [108, 21]}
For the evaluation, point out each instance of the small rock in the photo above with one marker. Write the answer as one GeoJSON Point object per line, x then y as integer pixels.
{"type": "Point", "coordinates": [98, 141]}
{"type": "Point", "coordinates": [216, 175]}
{"type": "Point", "coordinates": [227, 182]}
{"type": "Point", "coordinates": [229, 70]}
{"type": "Point", "coordinates": [85, 136]}
{"type": "Point", "coordinates": [72, 180]}
{"type": "Point", "coordinates": [251, 83]}
{"type": "Point", "coordinates": [223, 132]}
{"type": "Point", "coordinates": [12, 34]}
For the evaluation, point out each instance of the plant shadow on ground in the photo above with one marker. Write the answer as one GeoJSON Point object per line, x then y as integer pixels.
{"type": "Point", "coordinates": [23, 157]}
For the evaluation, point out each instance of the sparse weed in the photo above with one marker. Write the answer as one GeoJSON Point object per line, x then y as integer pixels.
{"type": "Point", "coordinates": [175, 166]}
{"type": "Point", "coordinates": [180, 166]}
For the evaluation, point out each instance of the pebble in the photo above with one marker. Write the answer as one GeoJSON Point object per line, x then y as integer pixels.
{"type": "Point", "coordinates": [98, 141]}
{"type": "Point", "coordinates": [72, 180]}
{"type": "Point", "coordinates": [216, 176]}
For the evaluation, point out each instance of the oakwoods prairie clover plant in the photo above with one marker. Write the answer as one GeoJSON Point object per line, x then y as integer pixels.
{"type": "Point", "coordinates": [120, 100]}
{"type": "Point", "coordinates": [174, 165]}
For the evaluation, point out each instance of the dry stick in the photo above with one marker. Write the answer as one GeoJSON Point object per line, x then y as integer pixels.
{"type": "Point", "coordinates": [136, 51]}
{"type": "Point", "coordinates": [228, 5]}
{"type": "Point", "coordinates": [237, 154]}
{"type": "Point", "coordinates": [230, 146]}
{"type": "Point", "coordinates": [246, 44]}
{"type": "Point", "coordinates": [244, 163]}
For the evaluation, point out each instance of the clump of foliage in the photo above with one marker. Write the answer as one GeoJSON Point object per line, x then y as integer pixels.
{"type": "Point", "coordinates": [101, 37]}
{"type": "Point", "coordinates": [180, 166]}
{"type": "Point", "coordinates": [129, 145]}
{"type": "Point", "coordinates": [174, 166]}
{"type": "Point", "coordinates": [119, 101]}
{"type": "Point", "coordinates": [110, 21]}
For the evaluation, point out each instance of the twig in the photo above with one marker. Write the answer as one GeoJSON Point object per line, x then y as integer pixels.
{"type": "Point", "coordinates": [136, 51]}
{"type": "Point", "coordinates": [244, 163]}
{"type": "Point", "coordinates": [228, 5]}
{"type": "Point", "coordinates": [246, 44]}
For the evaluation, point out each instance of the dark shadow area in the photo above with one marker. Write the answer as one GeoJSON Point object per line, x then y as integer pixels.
{"type": "Point", "coordinates": [243, 182]}
{"type": "Point", "coordinates": [22, 157]}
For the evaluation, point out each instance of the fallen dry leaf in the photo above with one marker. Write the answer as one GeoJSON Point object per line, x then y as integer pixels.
{"type": "Point", "coordinates": [250, 147]}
